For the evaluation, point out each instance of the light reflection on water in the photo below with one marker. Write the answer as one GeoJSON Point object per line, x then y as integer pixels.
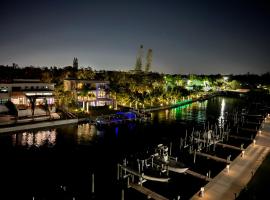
{"type": "Point", "coordinates": [85, 133]}
{"type": "Point", "coordinates": [195, 111]}
{"type": "Point", "coordinates": [39, 138]}
{"type": "Point", "coordinates": [222, 113]}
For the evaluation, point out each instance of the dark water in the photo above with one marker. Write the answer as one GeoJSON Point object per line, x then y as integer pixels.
{"type": "Point", "coordinates": [58, 163]}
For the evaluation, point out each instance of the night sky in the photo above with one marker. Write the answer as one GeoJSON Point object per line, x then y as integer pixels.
{"type": "Point", "coordinates": [201, 37]}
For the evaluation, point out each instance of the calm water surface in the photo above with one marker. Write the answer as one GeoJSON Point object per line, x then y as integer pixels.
{"type": "Point", "coordinates": [57, 163]}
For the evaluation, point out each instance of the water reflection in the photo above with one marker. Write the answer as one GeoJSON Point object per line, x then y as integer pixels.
{"type": "Point", "coordinates": [85, 133]}
{"type": "Point", "coordinates": [222, 113]}
{"type": "Point", "coordinates": [40, 138]}
{"type": "Point", "coordinates": [195, 111]}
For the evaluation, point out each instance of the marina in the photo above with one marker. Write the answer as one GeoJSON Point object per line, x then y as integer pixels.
{"type": "Point", "coordinates": [160, 158]}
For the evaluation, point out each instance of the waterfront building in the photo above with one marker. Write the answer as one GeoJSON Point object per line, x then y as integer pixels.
{"type": "Point", "coordinates": [21, 92]}
{"type": "Point", "coordinates": [89, 92]}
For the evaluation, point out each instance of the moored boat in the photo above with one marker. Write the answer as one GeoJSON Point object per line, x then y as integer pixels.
{"type": "Point", "coordinates": [162, 157]}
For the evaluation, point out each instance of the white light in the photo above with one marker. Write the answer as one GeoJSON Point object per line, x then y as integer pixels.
{"type": "Point", "coordinates": [202, 192]}
{"type": "Point", "coordinates": [228, 168]}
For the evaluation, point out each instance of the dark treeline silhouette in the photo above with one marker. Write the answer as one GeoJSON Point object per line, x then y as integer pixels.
{"type": "Point", "coordinates": [58, 74]}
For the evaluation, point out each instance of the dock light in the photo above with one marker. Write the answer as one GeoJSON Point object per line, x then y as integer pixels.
{"type": "Point", "coordinates": [243, 153]}
{"type": "Point", "coordinates": [260, 132]}
{"type": "Point", "coordinates": [254, 142]}
{"type": "Point", "coordinates": [202, 192]}
{"type": "Point", "coordinates": [228, 168]}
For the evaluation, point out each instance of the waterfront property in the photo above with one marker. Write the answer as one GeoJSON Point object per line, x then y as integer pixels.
{"type": "Point", "coordinates": [89, 92]}
{"type": "Point", "coordinates": [72, 158]}
{"type": "Point", "coordinates": [23, 93]}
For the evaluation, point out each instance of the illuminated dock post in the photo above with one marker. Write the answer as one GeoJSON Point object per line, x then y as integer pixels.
{"type": "Point", "coordinates": [254, 142]}
{"type": "Point", "coordinates": [243, 153]}
{"type": "Point", "coordinates": [202, 192]}
{"type": "Point", "coordinates": [228, 168]}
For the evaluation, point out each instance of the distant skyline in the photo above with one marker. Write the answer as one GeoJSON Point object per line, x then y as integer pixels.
{"type": "Point", "coordinates": [200, 37]}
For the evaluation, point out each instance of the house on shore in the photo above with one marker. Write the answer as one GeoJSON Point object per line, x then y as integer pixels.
{"type": "Point", "coordinates": [89, 93]}
{"type": "Point", "coordinates": [26, 93]}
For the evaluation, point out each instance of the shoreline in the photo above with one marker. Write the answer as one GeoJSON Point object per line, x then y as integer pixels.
{"type": "Point", "coordinates": [37, 125]}
{"type": "Point", "coordinates": [185, 102]}
{"type": "Point", "coordinates": [45, 123]}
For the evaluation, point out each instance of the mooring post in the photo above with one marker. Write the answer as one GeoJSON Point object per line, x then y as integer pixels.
{"type": "Point", "coordinates": [139, 166]}
{"type": "Point", "coordinates": [93, 183]}
{"type": "Point", "coordinates": [194, 158]}
{"type": "Point", "coordinates": [170, 148]}
{"type": "Point", "coordinates": [123, 194]}
{"type": "Point", "coordinates": [117, 171]}
{"type": "Point", "coordinates": [128, 182]}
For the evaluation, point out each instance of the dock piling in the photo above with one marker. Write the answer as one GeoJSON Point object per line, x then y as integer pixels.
{"type": "Point", "coordinates": [93, 183]}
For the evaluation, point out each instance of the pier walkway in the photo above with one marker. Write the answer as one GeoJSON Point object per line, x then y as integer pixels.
{"type": "Point", "coordinates": [228, 183]}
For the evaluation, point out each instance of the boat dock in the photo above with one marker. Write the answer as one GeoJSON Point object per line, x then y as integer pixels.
{"type": "Point", "coordinates": [149, 193]}
{"type": "Point", "coordinates": [240, 137]}
{"type": "Point", "coordinates": [248, 129]}
{"type": "Point", "coordinates": [228, 183]}
{"type": "Point", "coordinates": [213, 157]}
{"type": "Point", "coordinates": [198, 175]}
{"type": "Point", "coordinates": [229, 146]}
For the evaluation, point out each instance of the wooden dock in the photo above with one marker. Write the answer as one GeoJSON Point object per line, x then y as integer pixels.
{"type": "Point", "coordinates": [228, 184]}
{"type": "Point", "coordinates": [198, 175]}
{"type": "Point", "coordinates": [229, 146]}
{"type": "Point", "coordinates": [247, 129]}
{"type": "Point", "coordinates": [149, 193]}
{"type": "Point", "coordinates": [255, 123]}
{"type": "Point", "coordinates": [240, 137]}
{"type": "Point", "coordinates": [260, 116]}
{"type": "Point", "coordinates": [213, 157]}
